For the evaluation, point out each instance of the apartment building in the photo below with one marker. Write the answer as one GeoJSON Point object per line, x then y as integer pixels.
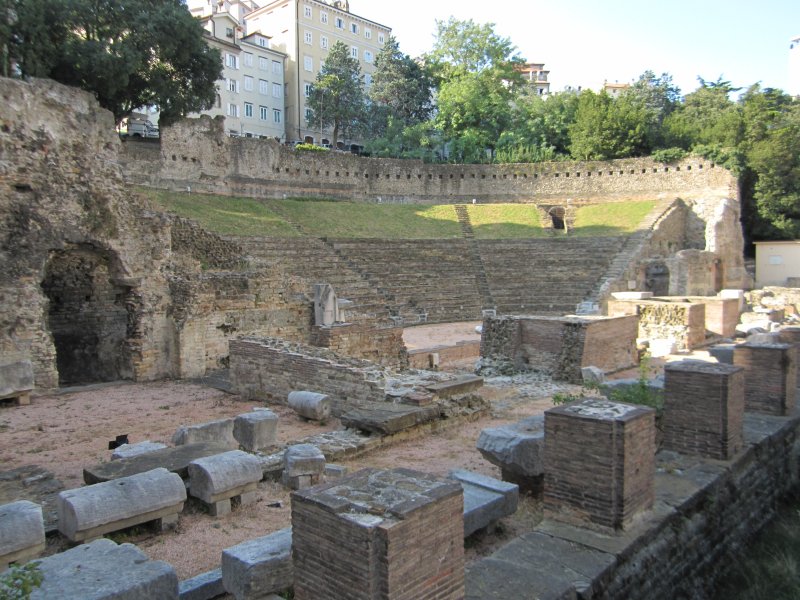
{"type": "Point", "coordinates": [250, 94]}
{"type": "Point", "coordinates": [305, 30]}
{"type": "Point", "coordinates": [536, 76]}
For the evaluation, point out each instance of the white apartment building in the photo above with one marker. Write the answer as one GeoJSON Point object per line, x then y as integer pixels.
{"type": "Point", "coordinates": [305, 30]}
{"type": "Point", "coordinates": [250, 94]}
{"type": "Point", "coordinates": [794, 67]}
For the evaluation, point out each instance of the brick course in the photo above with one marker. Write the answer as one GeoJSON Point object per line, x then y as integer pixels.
{"type": "Point", "coordinates": [770, 377]}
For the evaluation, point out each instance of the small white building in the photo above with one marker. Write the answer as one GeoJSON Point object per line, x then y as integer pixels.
{"type": "Point", "coordinates": [251, 93]}
{"type": "Point", "coordinates": [777, 263]}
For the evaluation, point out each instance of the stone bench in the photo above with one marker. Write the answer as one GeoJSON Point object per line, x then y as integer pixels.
{"type": "Point", "coordinates": [89, 512]}
{"type": "Point", "coordinates": [103, 570]}
{"type": "Point", "coordinates": [486, 500]}
{"type": "Point", "coordinates": [303, 466]}
{"type": "Point", "coordinates": [16, 382]}
{"type": "Point", "coordinates": [217, 479]}
{"type": "Point", "coordinates": [518, 449]}
{"type": "Point", "coordinates": [21, 532]}
{"type": "Point", "coordinates": [258, 567]}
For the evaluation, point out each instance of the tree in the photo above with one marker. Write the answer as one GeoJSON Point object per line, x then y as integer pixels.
{"type": "Point", "coordinates": [129, 53]}
{"type": "Point", "coordinates": [658, 98]}
{"type": "Point", "coordinates": [401, 85]}
{"type": "Point", "coordinates": [606, 128]}
{"type": "Point", "coordinates": [477, 74]}
{"type": "Point", "coordinates": [337, 96]}
{"type": "Point", "coordinates": [539, 126]}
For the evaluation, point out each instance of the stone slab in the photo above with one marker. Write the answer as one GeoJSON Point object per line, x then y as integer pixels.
{"type": "Point", "coordinates": [129, 450]}
{"type": "Point", "coordinates": [103, 570]}
{"type": "Point", "coordinates": [21, 532]}
{"type": "Point", "coordinates": [91, 511]}
{"type": "Point", "coordinates": [385, 418]}
{"type": "Point", "coordinates": [256, 430]}
{"type": "Point", "coordinates": [722, 352]}
{"type": "Point", "coordinates": [454, 387]}
{"type": "Point", "coordinates": [175, 459]}
{"type": "Point", "coordinates": [258, 567]}
{"type": "Point", "coordinates": [16, 379]}
{"type": "Point", "coordinates": [517, 447]}
{"type": "Point", "coordinates": [220, 431]}
{"type": "Point", "coordinates": [32, 482]}
{"type": "Point", "coordinates": [486, 500]}
{"type": "Point", "coordinates": [205, 586]}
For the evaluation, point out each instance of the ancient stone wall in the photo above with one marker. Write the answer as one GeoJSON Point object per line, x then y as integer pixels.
{"type": "Point", "coordinates": [270, 368]}
{"type": "Point", "coordinates": [682, 321]}
{"type": "Point", "coordinates": [383, 346]}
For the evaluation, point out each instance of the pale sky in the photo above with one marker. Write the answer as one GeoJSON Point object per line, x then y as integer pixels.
{"type": "Point", "coordinates": [584, 42]}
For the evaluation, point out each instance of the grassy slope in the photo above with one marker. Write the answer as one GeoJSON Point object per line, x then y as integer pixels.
{"type": "Point", "coordinates": [249, 217]}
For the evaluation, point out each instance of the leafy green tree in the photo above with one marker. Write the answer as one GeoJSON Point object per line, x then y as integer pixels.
{"type": "Point", "coordinates": [657, 98]}
{"type": "Point", "coordinates": [539, 127]}
{"type": "Point", "coordinates": [478, 78]}
{"type": "Point", "coordinates": [129, 53]}
{"type": "Point", "coordinates": [607, 128]}
{"type": "Point", "coordinates": [337, 97]}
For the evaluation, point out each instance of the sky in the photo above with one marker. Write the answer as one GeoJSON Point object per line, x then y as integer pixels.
{"type": "Point", "coordinates": [585, 42]}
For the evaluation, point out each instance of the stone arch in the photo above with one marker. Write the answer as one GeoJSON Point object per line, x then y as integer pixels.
{"type": "Point", "coordinates": [89, 315]}
{"type": "Point", "coordinates": [558, 217]}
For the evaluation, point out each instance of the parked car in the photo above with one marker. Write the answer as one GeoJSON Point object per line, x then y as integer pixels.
{"type": "Point", "coordinates": [142, 129]}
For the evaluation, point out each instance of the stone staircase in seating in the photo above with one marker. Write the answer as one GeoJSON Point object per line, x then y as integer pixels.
{"type": "Point", "coordinates": [475, 257]}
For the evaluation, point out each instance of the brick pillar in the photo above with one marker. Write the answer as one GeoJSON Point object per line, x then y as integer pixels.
{"type": "Point", "coordinates": [703, 409]}
{"type": "Point", "coordinates": [770, 377]}
{"type": "Point", "coordinates": [379, 534]}
{"type": "Point", "coordinates": [789, 335]}
{"type": "Point", "coordinates": [599, 462]}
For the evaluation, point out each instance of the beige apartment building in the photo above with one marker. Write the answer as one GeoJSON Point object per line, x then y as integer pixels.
{"type": "Point", "coordinates": [305, 30]}
{"type": "Point", "coordinates": [250, 94]}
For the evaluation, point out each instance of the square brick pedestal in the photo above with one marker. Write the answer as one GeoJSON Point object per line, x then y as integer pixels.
{"type": "Point", "coordinates": [770, 377]}
{"type": "Point", "coordinates": [703, 409]}
{"type": "Point", "coordinates": [391, 534]}
{"type": "Point", "coordinates": [599, 462]}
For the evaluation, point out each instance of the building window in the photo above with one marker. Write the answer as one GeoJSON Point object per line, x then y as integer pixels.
{"type": "Point", "coordinates": [380, 38]}
{"type": "Point", "coordinates": [248, 59]}
{"type": "Point", "coordinates": [354, 28]}
{"type": "Point", "coordinates": [229, 32]}
{"type": "Point", "coordinates": [308, 38]}
{"type": "Point", "coordinates": [323, 42]}
{"type": "Point", "coordinates": [248, 83]}
{"type": "Point", "coordinates": [323, 17]}
{"type": "Point", "coordinates": [307, 89]}
{"type": "Point", "coordinates": [233, 86]}
{"type": "Point", "coordinates": [307, 12]}
{"type": "Point", "coordinates": [276, 115]}
{"type": "Point", "coordinates": [367, 79]}
{"type": "Point", "coordinates": [263, 86]}
{"type": "Point", "coordinates": [368, 33]}
{"type": "Point", "coordinates": [248, 109]}
{"type": "Point", "coordinates": [263, 111]}
{"type": "Point", "coordinates": [231, 61]}
{"type": "Point", "coordinates": [277, 90]}
{"type": "Point", "coordinates": [308, 63]}
{"type": "Point", "coordinates": [308, 116]}
{"type": "Point", "coordinates": [262, 42]}
{"type": "Point", "coordinates": [339, 22]}
{"type": "Point", "coordinates": [367, 56]}
{"type": "Point", "coordinates": [263, 63]}
{"type": "Point", "coordinates": [233, 110]}
{"type": "Point", "coordinates": [277, 67]}
{"type": "Point", "coordinates": [354, 52]}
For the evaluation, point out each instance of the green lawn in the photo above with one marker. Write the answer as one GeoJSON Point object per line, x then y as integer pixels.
{"type": "Point", "coordinates": [613, 218]}
{"type": "Point", "coordinates": [505, 221]}
{"type": "Point", "coordinates": [225, 215]}
{"type": "Point", "coordinates": [359, 220]}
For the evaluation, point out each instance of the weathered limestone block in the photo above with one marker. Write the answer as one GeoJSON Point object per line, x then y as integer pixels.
{"type": "Point", "coordinates": [216, 479]}
{"type": "Point", "coordinates": [453, 387]}
{"type": "Point", "coordinates": [722, 352]}
{"type": "Point", "coordinates": [593, 374]}
{"type": "Point", "coordinates": [375, 533]}
{"type": "Point", "coordinates": [16, 381]}
{"type": "Point", "coordinates": [703, 409]}
{"type": "Point", "coordinates": [599, 462]}
{"type": "Point", "coordinates": [137, 449]}
{"type": "Point", "coordinates": [205, 586]}
{"type": "Point", "coordinates": [92, 511]}
{"type": "Point", "coordinates": [770, 377]}
{"type": "Point", "coordinates": [253, 569]}
{"type": "Point", "coordinates": [256, 430]}
{"type": "Point", "coordinates": [518, 449]}
{"type": "Point", "coordinates": [303, 466]}
{"type": "Point", "coordinates": [103, 570]}
{"type": "Point", "coordinates": [310, 405]}
{"type": "Point", "coordinates": [486, 500]}
{"type": "Point", "coordinates": [386, 418]}
{"type": "Point", "coordinates": [21, 532]}
{"type": "Point", "coordinates": [220, 431]}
